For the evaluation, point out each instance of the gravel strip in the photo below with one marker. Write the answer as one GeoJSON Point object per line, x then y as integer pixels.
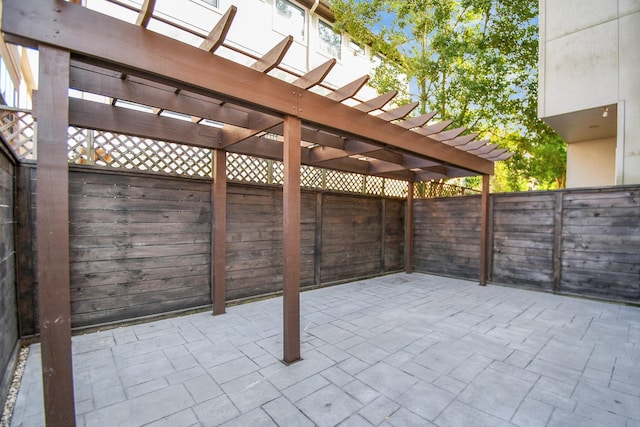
{"type": "Point", "coordinates": [15, 386]}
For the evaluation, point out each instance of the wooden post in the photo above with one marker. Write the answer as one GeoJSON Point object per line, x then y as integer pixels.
{"type": "Point", "coordinates": [383, 235]}
{"type": "Point", "coordinates": [408, 231]}
{"type": "Point", "coordinates": [291, 238]}
{"type": "Point", "coordinates": [219, 240]}
{"type": "Point", "coordinates": [52, 223]}
{"type": "Point", "coordinates": [317, 256]}
{"type": "Point", "coordinates": [484, 231]}
{"type": "Point", "coordinates": [557, 243]}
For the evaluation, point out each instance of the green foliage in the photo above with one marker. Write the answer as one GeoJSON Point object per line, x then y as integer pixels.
{"type": "Point", "coordinates": [471, 61]}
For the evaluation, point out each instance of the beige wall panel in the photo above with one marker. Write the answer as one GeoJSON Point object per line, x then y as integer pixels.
{"type": "Point", "coordinates": [591, 163]}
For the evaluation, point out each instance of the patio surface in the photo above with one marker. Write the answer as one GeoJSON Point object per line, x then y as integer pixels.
{"type": "Point", "coordinates": [399, 350]}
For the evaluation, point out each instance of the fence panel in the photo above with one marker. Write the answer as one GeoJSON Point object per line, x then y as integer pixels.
{"type": "Point", "coordinates": [523, 239]}
{"type": "Point", "coordinates": [601, 243]}
{"type": "Point", "coordinates": [8, 315]}
{"type": "Point", "coordinates": [447, 236]}
{"type": "Point", "coordinates": [139, 245]}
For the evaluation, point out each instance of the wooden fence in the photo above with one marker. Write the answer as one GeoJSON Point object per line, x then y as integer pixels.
{"type": "Point", "coordinates": [8, 318]}
{"type": "Point", "coordinates": [140, 244]}
{"type": "Point", "coordinates": [579, 241]}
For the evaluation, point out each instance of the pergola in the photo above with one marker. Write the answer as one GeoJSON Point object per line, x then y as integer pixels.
{"type": "Point", "coordinates": [91, 52]}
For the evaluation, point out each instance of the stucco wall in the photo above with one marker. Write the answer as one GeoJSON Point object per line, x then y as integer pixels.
{"type": "Point", "coordinates": [591, 163]}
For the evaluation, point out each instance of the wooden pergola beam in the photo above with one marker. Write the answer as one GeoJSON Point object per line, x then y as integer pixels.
{"type": "Point", "coordinates": [274, 57]}
{"type": "Point", "coordinates": [140, 92]}
{"type": "Point", "coordinates": [146, 12]}
{"type": "Point", "coordinates": [376, 103]}
{"type": "Point", "coordinates": [349, 90]}
{"type": "Point", "coordinates": [315, 76]}
{"type": "Point", "coordinates": [474, 145]}
{"type": "Point", "coordinates": [433, 129]}
{"type": "Point", "coordinates": [416, 122]}
{"type": "Point", "coordinates": [461, 140]}
{"type": "Point", "coordinates": [92, 115]}
{"type": "Point", "coordinates": [448, 134]}
{"type": "Point", "coordinates": [219, 32]}
{"type": "Point", "coordinates": [398, 113]}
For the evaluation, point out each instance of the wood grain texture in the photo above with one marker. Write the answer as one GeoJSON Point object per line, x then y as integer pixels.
{"type": "Point", "coordinates": [601, 243]}
{"type": "Point", "coordinates": [8, 298]}
{"type": "Point", "coordinates": [447, 236]}
{"type": "Point", "coordinates": [140, 245]}
{"type": "Point", "coordinates": [52, 219]}
{"type": "Point", "coordinates": [523, 239]}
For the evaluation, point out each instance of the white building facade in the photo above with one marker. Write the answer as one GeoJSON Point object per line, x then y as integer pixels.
{"type": "Point", "coordinates": [589, 87]}
{"type": "Point", "coordinates": [258, 26]}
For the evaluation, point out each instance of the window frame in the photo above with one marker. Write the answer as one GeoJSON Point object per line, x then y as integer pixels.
{"type": "Point", "coordinates": [322, 42]}
{"type": "Point", "coordinates": [279, 20]}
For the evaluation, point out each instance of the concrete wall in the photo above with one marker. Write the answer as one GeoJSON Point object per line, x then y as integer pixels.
{"type": "Point", "coordinates": [597, 158]}
{"type": "Point", "coordinates": [589, 59]}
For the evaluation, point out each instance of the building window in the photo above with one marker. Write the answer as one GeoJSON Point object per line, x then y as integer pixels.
{"type": "Point", "coordinates": [289, 19]}
{"type": "Point", "coordinates": [356, 48]}
{"type": "Point", "coordinates": [330, 41]}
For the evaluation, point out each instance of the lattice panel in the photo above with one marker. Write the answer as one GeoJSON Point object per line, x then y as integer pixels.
{"type": "Point", "coordinates": [395, 188]}
{"type": "Point", "coordinates": [130, 152]}
{"type": "Point", "coordinates": [311, 177]}
{"type": "Point", "coordinates": [277, 173]}
{"type": "Point", "coordinates": [375, 185]}
{"type": "Point", "coordinates": [78, 145]}
{"type": "Point", "coordinates": [432, 189]}
{"type": "Point", "coordinates": [247, 168]}
{"type": "Point", "coordinates": [19, 130]}
{"type": "Point", "coordinates": [343, 181]}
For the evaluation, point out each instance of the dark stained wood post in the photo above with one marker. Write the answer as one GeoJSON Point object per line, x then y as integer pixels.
{"type": "Point", "coordinates": [317, 253]}
{"type": "Point", "coordinates": [484, 231]}
{"type": "Point", "coordinates": [557, 243]}
{"type": "Point", "coordinates": [52, 223]}
{"type": "Point", "coordinates": [219, 241]}
{"type": "Point", "coordinates": [291, 238]}
{"type": "Point", "coordinates": [408, 231]}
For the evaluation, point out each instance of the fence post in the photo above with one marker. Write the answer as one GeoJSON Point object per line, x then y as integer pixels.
{"type": "Point", "coordinates": [408, 231]}
{"type": "Point", "coordinates": [557, 244]}
{"type": "Point", "coordinates": [484, 231]}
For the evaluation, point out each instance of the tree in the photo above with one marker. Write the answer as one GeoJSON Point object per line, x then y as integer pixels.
{"type": "Point", "coordinates": [471, 61]}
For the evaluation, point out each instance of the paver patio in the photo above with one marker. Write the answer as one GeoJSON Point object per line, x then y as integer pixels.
{"type": "Point", "coordinates": [399, 350]}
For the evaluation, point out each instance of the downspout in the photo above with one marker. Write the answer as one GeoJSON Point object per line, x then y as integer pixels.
{"type": "Point", "coordinates": [312, 10]}
{"type": "Point", "coordinates": [314, 7]}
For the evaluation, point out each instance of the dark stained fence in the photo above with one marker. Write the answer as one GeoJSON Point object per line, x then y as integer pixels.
{"type": "Point", "coordinates": [254, 240]}
{"type": "Point", "coordinates": [578, 241]}
{"type": "Point", "coordinates": [523, 239]}
{"type": "Point", "coordinates": [351, 231]}
{"type": "Point", "coordinates": [141, 243]}
{"type": "Point", "coordinates": [601, 243]}
{"type": "Point", "coordinates": [8, 315]}
{"type": "Point", "coordinates": [447, 236]}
